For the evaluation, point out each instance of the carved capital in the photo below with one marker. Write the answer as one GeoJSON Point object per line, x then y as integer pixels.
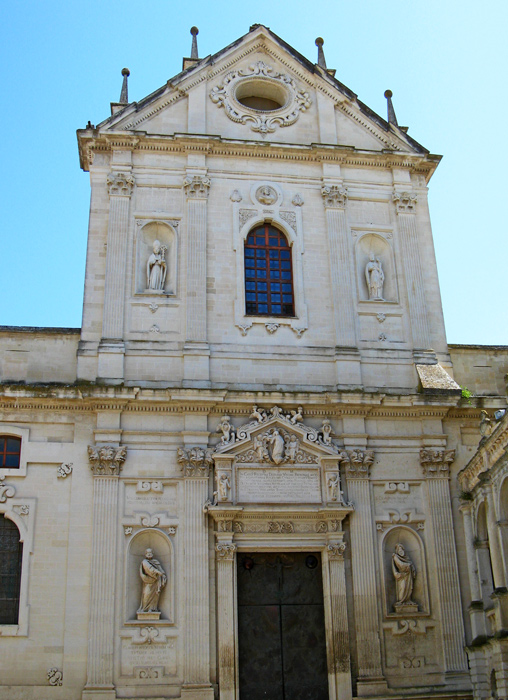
{"type": "Point", "coordinates": [196, 187]}
{"type": "Point", "coordinates": [195, 462]}
{"type": "Point", "coordinates": [107, 460]}
{"type": "Point", "coordinates": [357, 463]}
{"type": "Point", "coordinates": [334, 197]}
{"type": "Point", "coordinates": [436, 463]}
{"type": "Point", "coordinates": [405, 202]}
{"type": "Point", "coordinates": [120, 184]}
{"type": "Point", "coordinates": [225, 551]}
{"type": "Point", "coordinates": [336, 550]}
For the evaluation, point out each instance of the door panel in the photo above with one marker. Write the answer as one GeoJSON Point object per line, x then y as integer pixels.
{"type": "Point", "coordinates": [281, 634]}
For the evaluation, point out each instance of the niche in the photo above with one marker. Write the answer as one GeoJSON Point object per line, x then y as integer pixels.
{"type": "Point", "coordinates": [373, 250]}
{"type": "Point", "coordinates": [418, 602]}
{"type": "Point", "coordinates": [162, 549]}
{"type": "Point", "coordinates": [156, 259]}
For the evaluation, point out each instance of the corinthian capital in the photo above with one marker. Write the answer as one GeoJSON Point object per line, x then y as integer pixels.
{"type": "Point", "coordinates": [334, 196]}
{"type": "Point", "coordinates": [195, 462]}
{"type": "Point", "coordinates": [225, 551]}
{"type": "Point", "coordinates": [107, 460]}
{"type": "Point", "coordinates": [436, 463]}
{"type": "Point", "coordinates": [405, 202]}
{"type": "Point", "coordinates": [196, 187]}
{"type": "Point", "coordinates": [120, 184]}
{"type": "Point", "coordinates": [357, 463]}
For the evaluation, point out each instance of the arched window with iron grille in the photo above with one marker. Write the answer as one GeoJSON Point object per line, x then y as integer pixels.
{"type": "Point", "coordinates": [269, 287]}
{"type": "Point", "coordinates": [11, 551]}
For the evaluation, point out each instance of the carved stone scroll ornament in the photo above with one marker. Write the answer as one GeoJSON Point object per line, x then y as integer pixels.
{"type": "Point", "coordinates": [6, 490]}
{"type": "Point", "coordinates": [195, 462]}
{"type": "Point", "coordinates": [260, 76]}
{"type": "Point", "coordinates": [405, 202]}
{"type": "Point", "coordinates": [334, 196]}
{"type": "Point", "coordinates": [107, 460]}
{"type": "Point", "coordinates": [225, 551]}
{"type": "Point", "coordinates": [120, 184]}
{"type": "Point", "coordinates": [196, 187]}
{"type": "Point", "coordinates": [357, 463]}
{"type": "Point", "coordinates": [436, 463]}
{"type": "Point", "coordinates": [64, 470]}
{"type": "Point", "coordinates": [336, 550]}
{"type": "Point", "coordinates": [55, 676]}
{"type": "Point", "coordinates": [153, 580]}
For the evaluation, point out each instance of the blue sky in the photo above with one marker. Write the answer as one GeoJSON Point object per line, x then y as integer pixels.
{"type": "Point", "coordinates": [446, 63]}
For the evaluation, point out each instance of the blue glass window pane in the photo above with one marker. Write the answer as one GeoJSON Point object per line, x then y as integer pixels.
{"type": "Point", "coordinates": [263, 308]}
{"type": "Point", "coordinates": [250, 273]}
{"type": "Point", "coordinates": [275, 287]}
{"type": "Point", "coordinates": [287, 298]}
{"type": "Point", "coordinates": [12, 460]}
{"type": "Point", "coordinates": [261, 286]}
{"type": "Point", "coordinates": [251, 308]}
{"type": "Point", "coordinates": [249, 253]}
{"type": "Point", "coordinates": [251, 296]}
{"type": "Point", "coordinates": [273, 241]}
{"type": "Point", "coordinates": [274, 264]}
{"type": "Point", "coordinates": [261, 274]}
{"type": "Point", "coordinates": [286, 275]}
{"type": "Point", "coordinates": [260, 253]}
{"type": "Point", "coordinates": [13, 445]}
{"type": "Point", "coordinates": [274, 274]}
{"type": "Point", "coordinates": [260, 240]}
{"type": "Point", "coordinates": [262, 297]}
{"type": "Point", "coordinates": [261, 263]}
{"type": "Point", "coordinates": [286, 288]}
{"type": "Point", "coordinates": [286, 265]}
{"type": "Point", "coordinates": [250, 286]}
{"type": "Point", "coordinates": [276, 309]}
{"type": "Point", "coordinates": [284, 254]}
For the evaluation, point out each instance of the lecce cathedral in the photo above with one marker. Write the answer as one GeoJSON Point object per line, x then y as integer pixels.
{"type": "Point", "coordinates": [254, 472]}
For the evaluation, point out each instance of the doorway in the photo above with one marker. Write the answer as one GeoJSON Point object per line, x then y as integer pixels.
{"type": "Point", "coordinates": [281, 629]}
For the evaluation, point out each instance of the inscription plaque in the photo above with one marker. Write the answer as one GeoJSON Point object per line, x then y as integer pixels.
{"type": "Point", "coordinates": [148, 655]}
{"type": "Point", "coordinates": [150, 501]}
{"type": "Point", "coordinates": [278, 485]}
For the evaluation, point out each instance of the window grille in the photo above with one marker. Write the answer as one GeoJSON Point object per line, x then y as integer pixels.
{"type": "Point", "coordinates": [10, 450]}
{"type": "Point", "coordinates": [11, 550]}
{"type": "Point", "coordinates": [268, 273]}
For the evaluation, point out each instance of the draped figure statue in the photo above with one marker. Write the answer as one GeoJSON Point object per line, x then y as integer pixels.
{"type": "Point", "coordinates": [156, 268]}
{"type": "Point", "coordinates": [404, 572]}
{"type": "Point", "coordinates": [375, 278]}
{"type": "Point", "coordinates": [154, 579]}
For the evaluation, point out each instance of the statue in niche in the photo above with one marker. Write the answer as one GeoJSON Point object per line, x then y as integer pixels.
{"type": "Point", "coordinates": [224, 485]}
{"type": "Point", "coordinates": [334, 487]}
{"type": "Point", "coordinates": [277, 445]}
{"type": "Point", "coordinates": [375, 278]}
{"type": "Point", "coordinates": [154, 579]}
{"type": "Point", "coordinates": [404, 573]}
{"type": "Point", "coordinates": [156, 268]}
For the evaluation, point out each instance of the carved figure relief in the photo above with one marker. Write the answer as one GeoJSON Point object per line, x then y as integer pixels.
{"type": "Point", "coordinates": [334, 491]}
{"type": "Point", "coordinates": [404, 573]}
{"type": "Point", "coordinates": [326, 432]}
{"type": "Point", "coordinates": [277, 446]}
{"type": "Point", "coordinates": [266, 195]}
{"type": "Point", "coordinates": [224, 487]}
{"type": "Point", "coordinates": [156, 267]}
{"type": "Point", "coordinates": [227, 430]}
{"type": "Point", "coordinates": [153, 579]}
{"type": "Point", "coordinates": [375, 278]}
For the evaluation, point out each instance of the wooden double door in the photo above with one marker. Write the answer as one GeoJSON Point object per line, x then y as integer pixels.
{"type": "Point", "coordinates": [281, 629]}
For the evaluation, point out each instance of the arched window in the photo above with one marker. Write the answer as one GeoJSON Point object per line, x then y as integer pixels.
{"type": "Point", "coordinates": [11, 550]}
{"type": "Point", "coordinates": [268, 273]}
{"type": "Point", "coordinates": [10, 450]}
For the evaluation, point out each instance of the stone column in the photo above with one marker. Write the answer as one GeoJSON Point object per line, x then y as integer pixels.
{"type": "Point", "coordinates": [476, 608]}
{"type": "Point", "coordinates": [111, 349]}
{"type": "Point", "coordinates": [496, 555]}
{"type": "Point", "coordinates": [436, 468]}
{"type": "Point", "coordinates": [106, 463]}
{"type": "Point", "coordinates": [225, 553]}
{"type": "Point", "coordinates": [405, 204]}
{"type": "Point", "coordinates": [196, 353]}
{"type": "Point", "coordinates": [337, 643]}
{"type": "Point", "coordinates": [370, 673]}
{"type": "Point", "coordinates": [196, 463]}
{"type": "Point", "coordinates": [340, 254]}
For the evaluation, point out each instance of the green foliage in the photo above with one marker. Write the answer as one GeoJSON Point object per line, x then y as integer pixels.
{"type": "Point", "coordinates": [467, 395]}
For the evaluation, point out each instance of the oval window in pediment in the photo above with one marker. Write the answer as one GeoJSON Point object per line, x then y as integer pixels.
{"type": "Point", "coordinates": [261, 95]}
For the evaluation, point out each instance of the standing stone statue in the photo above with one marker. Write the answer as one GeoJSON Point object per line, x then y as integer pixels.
{"type": "Point", "coordinates": [154, 579]}
{"type": "Point", "coordinates": [375, 278]}
{"type": "Point", "coordinates": [277, 444]}
{"type": "Point", "coordinates": [404, 572]}
{"type": "Point", "coordinates": [156, 268]}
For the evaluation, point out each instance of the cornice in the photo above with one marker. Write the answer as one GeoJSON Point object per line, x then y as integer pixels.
{"type": "Point", "coordinates": [486, 456]}
{"type": "Point", "coordinates": [91, 143]}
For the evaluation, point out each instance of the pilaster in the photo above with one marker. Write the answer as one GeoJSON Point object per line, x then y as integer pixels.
{"type": "Point", "coordinates": [196, 352]}
{"type": "Point", "coordinates": [436, 469]}
{"type": "Point", "coordinates": [370, 673]}
{"type": "Point", "coordinates": [225, 556]}
{"type": "Point", "coordinates": [405, 205]}
{"type": "Point", "coordinates": [334, 201]}
{"type": "Point", "coordinates": [106, 463]}
{"type": "Point", "coordinates": [111, 348]}
{"type": "Point", "coordinates": [195, 464]}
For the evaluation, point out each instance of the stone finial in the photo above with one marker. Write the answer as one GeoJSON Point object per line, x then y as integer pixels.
{"type": "Point", "coordinates": [320, 53]}
{"type": "Point", "coordinates": [392, 119]}
{"type": "Point", "coordinates": [194, 49]}
{"type": "Point", "coordinates": [124, 95]}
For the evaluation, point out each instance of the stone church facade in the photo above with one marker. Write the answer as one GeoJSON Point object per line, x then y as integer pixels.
{"type": "Point", "coordinates": [251, 473]}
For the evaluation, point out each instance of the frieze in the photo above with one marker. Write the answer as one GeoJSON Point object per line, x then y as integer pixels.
{"type": "Point", "coordinates": [195, 462]}
{"type": "Point", "coordinates": [107, 460]}
{"type": "Point", "coordinates": [436, 463]}
{"type": "Point", "coordinates": [281, 527]}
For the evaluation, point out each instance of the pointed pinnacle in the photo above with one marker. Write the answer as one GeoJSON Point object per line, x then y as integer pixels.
{"type": "Point", "coordinates": [392, 119]}
{"type": "Point", "coordinates": [320, 53]}
{"type": "Point", "coordinates": [124, 95]}
{"type": "Point", "coordinates": [194, 50]}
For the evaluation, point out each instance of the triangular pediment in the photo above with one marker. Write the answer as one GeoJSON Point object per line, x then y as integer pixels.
{"type": "Point", "coordinates": [206, 99]}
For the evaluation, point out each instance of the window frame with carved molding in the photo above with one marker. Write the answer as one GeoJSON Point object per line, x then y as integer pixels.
{"type": "Point", "coordinates": [21, 511]}
{"type": "Point", "coordinates": [11, 431]}
{"type": "Point", "coordinates": [247, 216]}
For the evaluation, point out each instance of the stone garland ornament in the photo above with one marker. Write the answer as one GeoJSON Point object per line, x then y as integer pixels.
{"type": "Point", "coordinates": [107, 460]}
{"type": "Point", "coordinates": [262, 78]}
